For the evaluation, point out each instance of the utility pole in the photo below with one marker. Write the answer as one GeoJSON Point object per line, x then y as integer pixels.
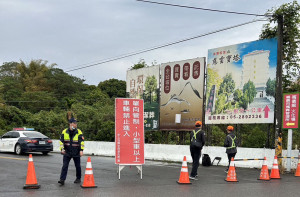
{"type": "Point", "coordinates": [278, 97]}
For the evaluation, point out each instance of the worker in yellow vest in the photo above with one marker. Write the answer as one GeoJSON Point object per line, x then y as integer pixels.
{"type": "Point", "coordinates": [197, 138]}
{"type": "Point", "coordinates": [230, 144]}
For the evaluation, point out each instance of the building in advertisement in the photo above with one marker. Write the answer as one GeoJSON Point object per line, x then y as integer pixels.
{"type": "Point", "coordinates": [255, 69]}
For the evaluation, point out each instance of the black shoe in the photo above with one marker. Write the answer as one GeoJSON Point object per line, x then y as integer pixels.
{"type": "Point", "coordinates": [61, 182]}
{"type": "Point", "coordinates": [196, 175]}
{"type": "Point", "coordinates": [193, 178]}
{"type": "Point", "coordinates": [77, 181]}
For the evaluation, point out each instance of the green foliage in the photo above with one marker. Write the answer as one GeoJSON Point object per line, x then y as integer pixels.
{"type": "Point", "coordinates": [271, 87]}
{"type": "Point", "coordinates": [113, 87]}
{"type": "Point", "coordinates": [249, 92]}
{"type": "Point", "coordinates": [36, 101]}
{"type": "Point", "coordinates": [291, 36]}
{"type": "Point", "coordinates": [220, 104]}
{"type": "Point", "coordinates": [107, 132]}
{"type": "Point", "coordinates": [50, 123]}
{"type": "Point", "coordinates": [218, 136]}
{"type": "Point", "coordinates": [237, 95]}
{"type": "Point", "coordinates": [227, 86]}
{"type": "Point", "coordinates": [140, 64]}
{"type": "Point", "coordinates": [150, 88]}
{"type": "Point", "coordinates": [32, 76]}
{"type": "Point", "coordinates": [11, 117]}
{"type": "Point", "coordinates": [254, 137]}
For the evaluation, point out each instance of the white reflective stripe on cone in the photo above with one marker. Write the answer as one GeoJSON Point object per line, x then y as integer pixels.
{"type": "Point", "coordinates": [231, 163]}
{"type": "Point", "coordinates": [89, 172]}
{"type": "Point", "coordinates": [184, 170]}
{"type": "Point", "coordinates": [275, 161]}
{"type": "Point", "coordinates": [265, 163]}
{"type": "Point", "coordinates": [88, 165]}
{"type": "Point", "coordinates": [184, 163]}
{"type": "Point", "coordinates": [30, 159]}
{"type": "Point", "coordinates": [275, 167]}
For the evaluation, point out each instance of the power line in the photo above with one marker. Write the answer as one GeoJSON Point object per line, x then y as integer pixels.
{"type": "Point", "coordinates": [198, 8]}
{"type": "Point", "coordinates": [162, 46]}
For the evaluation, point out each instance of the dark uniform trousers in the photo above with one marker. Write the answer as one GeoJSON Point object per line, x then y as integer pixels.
{"type": "Point", "coordinates": [195, 153]}
{"type": "Point", "coordinates": [230, 155]}
{"type": "Point", "coordinates": [64, 169]}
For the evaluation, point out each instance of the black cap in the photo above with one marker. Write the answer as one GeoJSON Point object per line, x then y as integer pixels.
{"type": "Point", "coordinates": [73, 120]}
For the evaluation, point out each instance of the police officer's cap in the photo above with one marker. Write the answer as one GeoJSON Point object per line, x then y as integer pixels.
{"type": "Point", "coordinates": [73, 120]}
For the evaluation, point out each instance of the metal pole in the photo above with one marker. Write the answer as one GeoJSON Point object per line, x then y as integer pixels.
{"type": "Point", "coordinates": [289, 149]}
{"type": "Point", "coordinates": [278, 96]}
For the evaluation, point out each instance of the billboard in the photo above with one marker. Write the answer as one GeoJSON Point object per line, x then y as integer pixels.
{"type": "Point", "coordinates": [143, 84]}
{"type": "Point", "coordinates": [241, 83]}
{"type": "Point", "coordinates": [290, 111]}
{"type": "Point", "coordinates": [129, 131]}
{"type": "Point", "coordinates": [182, 88]}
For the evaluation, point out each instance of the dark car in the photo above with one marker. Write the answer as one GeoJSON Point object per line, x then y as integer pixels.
{"type": "Point", "coordinates": [22, 140]}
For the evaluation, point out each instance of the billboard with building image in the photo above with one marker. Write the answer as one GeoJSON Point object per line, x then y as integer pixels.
{"type": "Point", "coordinates": [182, 88]}
{"type": "Point", "coordinates": [241, 83]}
{"type": "Point", "coordinates": [143, 84]}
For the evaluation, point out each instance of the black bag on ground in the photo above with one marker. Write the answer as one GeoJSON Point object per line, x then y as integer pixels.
{"type": "Point", "coordinates": [206, 160]}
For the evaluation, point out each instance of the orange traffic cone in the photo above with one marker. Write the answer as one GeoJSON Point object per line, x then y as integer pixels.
{"type": "Point", "coordinates": [31, 181]}
{"type": "Point", "coordinates": [264, 174]}
{"type": "Point", "coordinates": [184, 174]}
{"type": "Point", "coordinates": [231, 175]}
{"type": "Point", "coordinates": [275, 170]}
{"type": "Point", "coordinates": [88, 181]}
{"type": "Point", "coordinates": [298, 167]}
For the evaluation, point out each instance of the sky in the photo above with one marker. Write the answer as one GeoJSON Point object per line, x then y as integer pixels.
{"type": "Point", "coordinates": [76, 33]}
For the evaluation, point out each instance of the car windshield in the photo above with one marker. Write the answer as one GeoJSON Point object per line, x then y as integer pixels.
{"type": "Point", "coordinates": [34, 134]}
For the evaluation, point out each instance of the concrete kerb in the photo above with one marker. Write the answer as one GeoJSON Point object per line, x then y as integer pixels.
{"type": "Point", "coordinates": [175, 153]}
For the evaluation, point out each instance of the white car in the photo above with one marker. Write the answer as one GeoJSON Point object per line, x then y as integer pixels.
{"type": "Point", "coordinates": [21, 140]}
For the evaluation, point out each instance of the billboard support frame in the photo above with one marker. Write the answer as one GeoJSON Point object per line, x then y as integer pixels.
{"type": "Point", "coordinates": [122, 166]}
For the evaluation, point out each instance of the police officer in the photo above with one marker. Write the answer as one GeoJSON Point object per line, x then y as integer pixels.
{"type": "Point", "coordinates": [71, 146]}
{"type": "Point", "coordinates": [230, 144]}
{"type": "Point", "coordinates": [197, 137]}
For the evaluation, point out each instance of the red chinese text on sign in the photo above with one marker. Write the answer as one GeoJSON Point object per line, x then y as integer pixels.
{"type": "Point", "coordinates": [176, 73]}
{"type": "Point", "coordinates": [186, 71]}
{"type": "Point", "coordinates": [196, 70]}
{"type": "Point", "coordinates": [290, 111]}
{"type": "Point", "coordinates": [129, 131]}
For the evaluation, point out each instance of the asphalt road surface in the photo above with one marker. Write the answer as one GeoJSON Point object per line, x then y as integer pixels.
{"type": "Point", "coordinates": [159, 179]}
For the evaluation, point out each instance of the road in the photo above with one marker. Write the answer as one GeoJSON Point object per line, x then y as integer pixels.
{"type": "Point", "coordinates": [159, 179]}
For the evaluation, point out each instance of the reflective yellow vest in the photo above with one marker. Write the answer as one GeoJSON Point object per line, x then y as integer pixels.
{"type": "Point", "coordinates": [68, 144]}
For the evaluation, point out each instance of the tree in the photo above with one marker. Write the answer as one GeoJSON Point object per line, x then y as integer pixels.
{"type": "Point", "coordinates": [8, 69]}
{"type": "Point", "coordinates": [291, 36]}
{"type": "Point", "coordinates": [227, 86]}
{"type": "Point", "coordinates": [10, 86]}
{"type": "Point", "coordinates": [32, 76]}
{"type": "Point", "coordinates": [249, 91]}
{"type": "Point", "coordinates": [140, 64]}
{"type": "Point", "coordinates": [113, 87]}
{"type": "Point", "coordinates": [220, 103]}
{"type": "Point", "coordinates": [150, 86]}
{"type": "Point", "coordinates": [213, 78]}
{"type": "Point", "coordinates": [62, 84]}
{"type": "Point", "coordinates": [37, 101]}
{"type": "Point", "coordinates": [270, 90]}
{"type": "Point", "coordinates": [237, 95]}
